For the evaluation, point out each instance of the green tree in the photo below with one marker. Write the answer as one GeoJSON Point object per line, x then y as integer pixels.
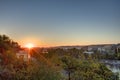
{"type": "Point", "coordinates": [85, 69]}
{"type": "Point", "coordinates": [70, 64]}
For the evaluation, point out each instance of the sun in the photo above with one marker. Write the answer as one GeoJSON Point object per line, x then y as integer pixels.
{"type": "Point", "coordinates": [29, 45]}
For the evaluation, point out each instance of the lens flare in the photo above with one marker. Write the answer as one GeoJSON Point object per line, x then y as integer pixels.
{"type": "Point", "coordinates": [29, 45]}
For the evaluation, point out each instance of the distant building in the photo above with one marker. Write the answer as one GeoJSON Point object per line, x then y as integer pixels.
{"type": "Point", "coordinates": [44, 51]}
{"type": "Point", "coordinates": [107, 49]}
{"type": "Point", "coordinates": [118, 49]}
{"type": "Point", "coordinates": [101, 49]}
{"type": "Point", "coordinates": [23, 55]}
{"type": "Point", "coordinates": [88, 52]}
{"type": "Point", "coordinates": [90, 49]}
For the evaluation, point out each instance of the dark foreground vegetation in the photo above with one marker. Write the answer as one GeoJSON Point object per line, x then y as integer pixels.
{"type": "Point", "coordinates": [56, 64]}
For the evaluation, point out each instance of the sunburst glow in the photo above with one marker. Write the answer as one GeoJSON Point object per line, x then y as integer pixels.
{"type": "Point", "coordinates": [29, 45]}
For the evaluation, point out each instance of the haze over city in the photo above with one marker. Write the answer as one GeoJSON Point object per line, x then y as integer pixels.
{"type": "Point", "coordinates": [61, 22]}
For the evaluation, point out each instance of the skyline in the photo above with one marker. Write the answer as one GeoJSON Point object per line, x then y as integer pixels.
{"type": "Point", "coordinates": [61, 22]}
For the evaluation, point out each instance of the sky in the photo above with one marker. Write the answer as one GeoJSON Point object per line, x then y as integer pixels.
{"type": "Point", "coordinates": [61, 22]}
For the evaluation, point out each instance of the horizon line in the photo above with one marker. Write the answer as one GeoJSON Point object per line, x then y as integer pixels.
{"type": "Point", "coordinates": [75, 45]}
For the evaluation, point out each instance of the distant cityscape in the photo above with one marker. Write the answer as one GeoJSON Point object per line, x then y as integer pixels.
{"type": "Point", "coordinates": [101, 48]}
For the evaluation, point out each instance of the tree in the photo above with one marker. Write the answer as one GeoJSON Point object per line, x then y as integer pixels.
{"type": "Point", "coordinates": [85, 69]}
{"type": "Point", "coordinates": [8, 47]}
{"type": "Point", "coordinates": [70, 64]}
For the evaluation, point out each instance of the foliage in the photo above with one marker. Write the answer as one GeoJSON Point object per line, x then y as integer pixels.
{"type": "Point", "coordinates": [34, 71]}
{"type": "Point", "coordinates": [50, 66]}
{"type": "Point", "coordinates": [86, 69]}
{"type": "Point", "coordinates": [7, 43]}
